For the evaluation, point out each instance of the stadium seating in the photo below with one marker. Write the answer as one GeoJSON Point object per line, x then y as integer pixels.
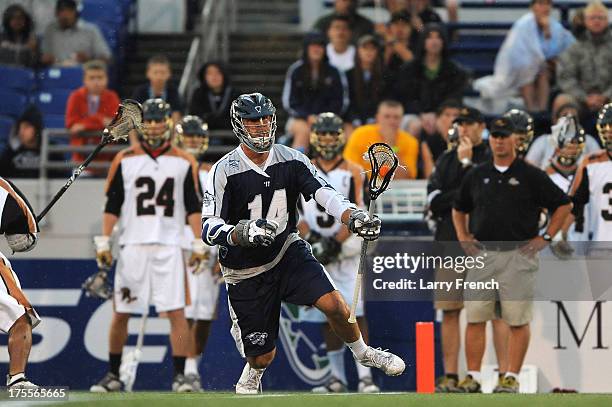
{"type": "Point", "coordinates": [18, 79]}
{"type": "Point", "coordinates": [6, 123]}
{"type": "Point", "coordinates": [54, 121]}
{"type": "Point", "coordinates": [61, 78]}
{"type": "Point", "coordinates": [52, 101]}
{"type": "Point", "coordinates": [12, 103]}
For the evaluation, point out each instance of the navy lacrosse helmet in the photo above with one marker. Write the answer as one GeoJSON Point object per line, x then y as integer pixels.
{"type": "Point", "coordinates": [257, 135]}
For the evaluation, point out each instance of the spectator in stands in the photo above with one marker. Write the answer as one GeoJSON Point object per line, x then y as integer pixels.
{"type": "Point", "coordinates": [525, 65]}
{"type": "Point", "coordinates": [312, 86]}
{"type": "Point", "coordinates": [359, 24]}
{"type": "Point", "coordinates": [386, 129]}
{"type": "Point", "coordinates": [340, 51]}
{"type": "Point", "coordinates": [365, 82]}
{"type": "Point", "coordinates": [18, 44]}
{"type": "Point", "coordinates": [422, 14]}
{"type": "Point", "coordinates": [580, 72]}
{"type": "Point", "coordinates": [91, 107]}
{"type": "Point", "coordinates": [159, 72]}
{"type": "Point", "coordinates": [434, 144]}
{"type": "Point", "coordinates": [69, 41]}
{"type": "Point", "coordinates": [22, 157]}
{"type": "Point", "coordinates": [429, 80]}
{"type": "Point", "coordinates": [399, 45]}
{"type": "Point", "coordinates": [542, 149]}
{"type": "Point", "coordinates": [212, 99]}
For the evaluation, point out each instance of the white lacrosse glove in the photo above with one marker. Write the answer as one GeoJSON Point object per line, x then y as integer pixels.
{"type": "Point", "coordinates": [200, 253]}
{"type": "Point", "coordinates": [104, 258]}
{"type": "Point", "coordinates": [363, 226]}
{"type": "Point", "coordinates": [97, 286]}
{"type": "Point", "coordinates": [21, 242]}
{"type": "Point", "coordinates": [253, 233]}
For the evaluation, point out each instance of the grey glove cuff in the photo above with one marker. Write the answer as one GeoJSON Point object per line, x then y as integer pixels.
{"type": "Point", "coordinates": [242, 233]}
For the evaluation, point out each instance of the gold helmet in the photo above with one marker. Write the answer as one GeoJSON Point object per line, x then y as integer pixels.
{"type": "Point", "coordinates": [327, 137]}
{"type": "Point", "coordinates": [192, 135]}
{"type": "Point", "coordinates": [155, 111]}
{"type": "Point", "coordinates": [523, 127]}
{"type": "Point", "coordinates": [604, 127]}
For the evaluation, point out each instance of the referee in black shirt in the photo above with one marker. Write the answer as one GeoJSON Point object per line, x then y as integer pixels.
{"type": "Point", "coordinates": [503, 199]}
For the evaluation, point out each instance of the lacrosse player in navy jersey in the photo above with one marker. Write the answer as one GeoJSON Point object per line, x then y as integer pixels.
{"type": "Point", "coordinates": [191, 134]}
{"type": "Point", "coordinates": [250, 211]}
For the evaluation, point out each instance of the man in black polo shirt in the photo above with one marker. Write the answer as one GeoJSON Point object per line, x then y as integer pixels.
{"type": "Point", "coordinates": [503, 199]}
{"type": "Point", "coordinates": [442, 189]}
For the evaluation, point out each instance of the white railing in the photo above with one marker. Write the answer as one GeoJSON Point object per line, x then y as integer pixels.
{"type": "Point", "coordinates": [218, 18]}
{"type": "Point", "coordinates": [405, 200]}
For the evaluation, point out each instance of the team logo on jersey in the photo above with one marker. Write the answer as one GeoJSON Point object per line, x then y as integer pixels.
{"type": "Point", "coordinates": [513, 181]}
{"type": "Point", "coordinates": [208, 199]}
{"type": "Point", "coordinates": [126, 295]}
{"type": "Point", "coordinates": [235, 164]}
{"type": "Point", "coordinates": [486, 180]}
{"type": "Point", "coordinates": [257, 338]}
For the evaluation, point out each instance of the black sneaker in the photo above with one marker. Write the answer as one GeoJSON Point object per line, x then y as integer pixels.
{"type": "Point", "coordinates": [109, 383]}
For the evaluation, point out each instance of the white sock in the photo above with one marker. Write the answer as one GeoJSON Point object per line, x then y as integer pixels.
{"type": "Point", "coordinates": [358, 347]}
{"type": "Point", "coordinates": [510, 374]}
{"type": "Point", "coordinates": [475, 374]}
{"type": "Point", "coordinates": [336, 363]}
{"type": "Point", "coordinates": [363, 371]}
{"type": "Point", "coordinates": [191, 365]}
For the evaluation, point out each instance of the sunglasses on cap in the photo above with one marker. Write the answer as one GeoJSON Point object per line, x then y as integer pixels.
{"type": "Point", "coordinates": [500, 135]}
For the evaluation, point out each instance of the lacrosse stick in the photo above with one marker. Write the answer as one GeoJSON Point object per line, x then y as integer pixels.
{"type": "Point", "coordinates": [128, 117]}
{"type": "Point", "coordinates": [129, 364]}
{"type": "Point", "coordinates": [384, 163]}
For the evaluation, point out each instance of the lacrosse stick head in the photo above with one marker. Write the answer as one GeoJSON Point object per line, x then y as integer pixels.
{"type": "Point", "coordinates": [127, 118]}
{"type": "Point", "coordinates": [384, 162]}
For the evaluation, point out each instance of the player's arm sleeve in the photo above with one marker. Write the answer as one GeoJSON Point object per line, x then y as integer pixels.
{"type": "Point", "coordinates": [191, 192]}
{"type": "Point", "coordinates": [115, 193]}
{"type": "Point", "coordinates": [580, 193]}
{"type": "Point", "coordinates": [215, 204]}
{"type": "Point", "coordinates": [464, 201]}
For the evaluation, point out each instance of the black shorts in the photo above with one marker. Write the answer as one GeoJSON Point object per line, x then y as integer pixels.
{"type": "Point", "coordinates": [255, 303]}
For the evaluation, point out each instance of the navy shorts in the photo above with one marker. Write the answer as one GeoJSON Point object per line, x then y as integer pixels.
{"type": "Point", "coordinates": [255, 303]}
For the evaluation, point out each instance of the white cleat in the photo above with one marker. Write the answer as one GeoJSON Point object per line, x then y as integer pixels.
{"type": "Point", "coordinates": [389, 363]}
{"type": "Point", "coordinates": [109, 383]}
{"type": "Point", "coordinates": [250, 381]}
{"type": "Point", "coordinates": [181, 385]}
{"type": "Point", "coordinates": [367, 385]}
{"type": "Point", "coordinates": [19, 381]}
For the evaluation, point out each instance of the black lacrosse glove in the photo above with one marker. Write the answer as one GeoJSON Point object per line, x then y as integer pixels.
{"type": "Point", "coordinates": [363, 225]}
{"type": "Point", "coordinates": [326, 250]}
{"type": "Point", "coordinates": [97, 286]}
{"type": "Point", "coordinates": [313, 237]}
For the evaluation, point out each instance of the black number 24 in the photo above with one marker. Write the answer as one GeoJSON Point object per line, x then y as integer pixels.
{"type": "Point", "coordinates": [164, 198]}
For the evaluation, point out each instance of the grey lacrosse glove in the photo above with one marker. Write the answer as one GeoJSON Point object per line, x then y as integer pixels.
{"type": "Point", "coordinates": [326, 250]}
{"type": "Point", "coordinates": [253, 233]}
{"type": "Point", "coordinates": [97, 286]}
{"type": "Point", "coordinates": [361, 224]}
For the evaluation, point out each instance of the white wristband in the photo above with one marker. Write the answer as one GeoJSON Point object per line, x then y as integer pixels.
{"type": "Point", "coordinates": [102, 243]}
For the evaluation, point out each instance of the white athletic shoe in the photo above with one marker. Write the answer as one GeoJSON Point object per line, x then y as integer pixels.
{"type": "Point", "coordinates": [195, 381]}
{"type": "Point", "coordinates": [389, 363]}
{"type": "Point", "coordinates": [19, 381]}
{"type": "Point", "coordinates": [250, 381]}
{"type": "Point", "coordinates": [366, 385]}
{"type": "Point", "coordinates": [181, 385]}
{"type": "Point", "coordinates": [109, 383]}
{"type": "Point", "coordinates": [333, 385]}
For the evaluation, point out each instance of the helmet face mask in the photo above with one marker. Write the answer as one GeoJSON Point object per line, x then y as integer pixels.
{"type": "Point", "coordinates": [157, 129]}
{"type": "Point", "coordinates": [524, 129]}
{"type": "Point", "coordinates": [253, 119]}
{"type": "Point", "coordinates": [192, 135]}
{"type": "Point", "coordinates": [604, 127]}
{"type": "Point", "coordinates": [327, 138]}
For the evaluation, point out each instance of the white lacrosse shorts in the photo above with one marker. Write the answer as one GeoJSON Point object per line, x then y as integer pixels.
{"type": "Point", "coordinates": [13, 302]}
{"type": "Point", "coordinates": [204, 293]}
{"type": "Point", "coordinates": [150, 274]}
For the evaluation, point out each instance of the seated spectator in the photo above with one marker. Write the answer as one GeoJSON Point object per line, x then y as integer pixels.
{"type": "Point", "coordinates": [386, 130]}
{"type": "Point", "coordinates": [312, 86]}
{"type": "Point", "coordinates": [91, 107]}
{"type": "Point", "coordinates": [436, 143]}
{"type": "Point", "coordinates": [212, 99]}
{"type": "Point", "coordinates": [542, 149]}
{"type": "Point", "coordinates": [525, 65]}
{"type": "Point", "coordinates": [429, 80]}
{"type": "Point", "coordinates": [22, 157]}
{"type": "Point", "coordinates": [580, 72]}
{"type": "Point", "coordinates": [340, 51]}
{"type": "Point", "coordinates": [399, 45]}
{"type": "Point", "coordinates": [365, 82]}
{"type": "Point", "coordinates": [69, 41]}
{"type": "Point", "coordinates": [358, 24]}
{"type": "Point", "coordinates": [422, 14]}
{"type": "Point", "coordinates": [18, 45]}
{"type": "Point", "coordinates": [159, 73]}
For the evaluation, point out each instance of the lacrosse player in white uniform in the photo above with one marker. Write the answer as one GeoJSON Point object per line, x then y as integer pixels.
{"type": "Point", "coordinates": [151, 189]}
{"type": "Point", "coordinates": [191, 134]}
{"type": "Point", "coordinates": [17, 316]}
{"type": "Point", "coordinates": [333, 245]}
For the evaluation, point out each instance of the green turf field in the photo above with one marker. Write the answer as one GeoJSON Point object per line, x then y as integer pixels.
{"type": "Point", "coordinates": [341, 400]}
